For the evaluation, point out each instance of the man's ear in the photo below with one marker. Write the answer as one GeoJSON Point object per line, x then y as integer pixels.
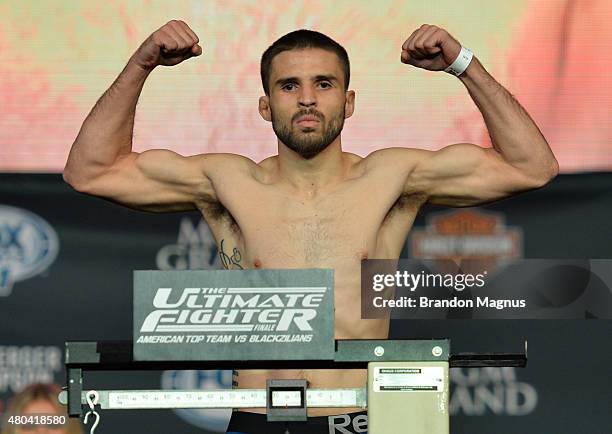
{"type": "Point", "coordinates": [264, 108]}
{"type": "Point", "coordinates": [349, 105]}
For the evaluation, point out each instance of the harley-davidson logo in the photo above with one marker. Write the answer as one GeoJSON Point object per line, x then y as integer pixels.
{"type": "Point", "coordinates": [467, 234]}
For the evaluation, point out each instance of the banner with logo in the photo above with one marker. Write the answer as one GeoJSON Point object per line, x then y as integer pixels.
{"type": "Point", "coordinates": [66, 264]}
{"type": "Point", "coordinates": [234, 315]}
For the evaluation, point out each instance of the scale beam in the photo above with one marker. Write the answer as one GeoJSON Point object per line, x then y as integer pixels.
{"type": "Point", "coordinates": [228, 398]}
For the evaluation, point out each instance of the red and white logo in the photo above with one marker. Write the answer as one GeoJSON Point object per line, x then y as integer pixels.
{"type": "Point", "coordinates": [470, 234]}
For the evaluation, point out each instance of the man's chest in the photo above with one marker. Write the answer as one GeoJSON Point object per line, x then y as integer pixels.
{"type": "Point", "coordinates": [272, 228]}
{"type": "Point", "coordinates": [316, 238]}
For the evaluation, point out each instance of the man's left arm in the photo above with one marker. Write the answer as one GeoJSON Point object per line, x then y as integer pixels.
{"type": "Point", "coordinates": [466, 174]}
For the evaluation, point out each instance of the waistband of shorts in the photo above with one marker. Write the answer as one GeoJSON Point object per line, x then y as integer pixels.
{"type": "Point", "coordinates": [258, 418]}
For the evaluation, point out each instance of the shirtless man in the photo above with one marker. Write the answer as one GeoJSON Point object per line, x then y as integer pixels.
{"type": "Point", "coordinates": [312, 205]}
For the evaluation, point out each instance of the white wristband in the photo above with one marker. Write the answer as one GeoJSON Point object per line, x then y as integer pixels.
{"type": "Point", "coordinates": [461, 62]}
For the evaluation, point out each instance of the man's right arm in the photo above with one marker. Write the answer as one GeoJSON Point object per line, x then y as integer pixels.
{"type": "Point", "coordinates": [101, 160]}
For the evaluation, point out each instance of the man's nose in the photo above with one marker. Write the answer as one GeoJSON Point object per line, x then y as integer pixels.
{"type": "Point", "coordinates": [307, 96]}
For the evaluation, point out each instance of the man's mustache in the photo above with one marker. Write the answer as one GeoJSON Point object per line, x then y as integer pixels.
{"type": "Point", "coordinates": [316, 114]}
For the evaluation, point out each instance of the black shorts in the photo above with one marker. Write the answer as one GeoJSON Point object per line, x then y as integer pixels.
{"type": "Point", "coordinates": [254, 423]}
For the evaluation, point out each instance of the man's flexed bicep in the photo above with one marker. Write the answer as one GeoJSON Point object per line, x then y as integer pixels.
{"type": "Point", "coordinates": [101, 161]}
{"type": "Point", "coordinates": [156, 180]}
{"type": "Point", "coordinates": [465, 175]}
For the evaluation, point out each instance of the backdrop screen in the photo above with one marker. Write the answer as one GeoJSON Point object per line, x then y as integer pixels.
{"type": "Point", "coordinates": [59, 57]}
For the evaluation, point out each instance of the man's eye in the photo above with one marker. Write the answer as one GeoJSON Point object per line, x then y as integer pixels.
{"type": "Point", "coordinates": [287, 85]}
{"type": "Point", "coordinates": [325, 83]}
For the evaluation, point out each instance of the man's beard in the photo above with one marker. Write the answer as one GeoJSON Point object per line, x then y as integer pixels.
{"type": "Point", "coordinates": [307, 142]}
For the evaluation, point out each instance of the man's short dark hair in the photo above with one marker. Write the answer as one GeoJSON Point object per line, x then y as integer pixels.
{"type": "Point", "coordinates": [300, 39]}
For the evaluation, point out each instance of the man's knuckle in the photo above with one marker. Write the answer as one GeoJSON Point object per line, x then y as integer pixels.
{"type": "Point", "coordinates": [158, 38]}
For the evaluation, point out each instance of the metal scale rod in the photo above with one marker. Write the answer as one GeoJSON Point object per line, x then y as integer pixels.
{"type": "Point", "coordinates": [223, 398]}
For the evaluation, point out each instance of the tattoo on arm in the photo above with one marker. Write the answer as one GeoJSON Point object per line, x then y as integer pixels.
{"type": "Point", "coordinates": [229, 261]}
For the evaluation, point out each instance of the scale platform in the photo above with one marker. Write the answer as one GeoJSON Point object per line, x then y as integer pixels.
{"type": "Point", "coordinates": [268, 319]}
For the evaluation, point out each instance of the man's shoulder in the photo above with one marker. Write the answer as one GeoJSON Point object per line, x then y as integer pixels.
{"type": "Point", "coordinates": [230, 164]}
{"type": "Point", "coordinates": [225, 157]}
{"type": "Point", "coordinates": [390, 158]}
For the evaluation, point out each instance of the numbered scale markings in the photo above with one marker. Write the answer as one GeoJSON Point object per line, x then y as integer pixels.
{"type": "Point", "coordinates": [240, 398]}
